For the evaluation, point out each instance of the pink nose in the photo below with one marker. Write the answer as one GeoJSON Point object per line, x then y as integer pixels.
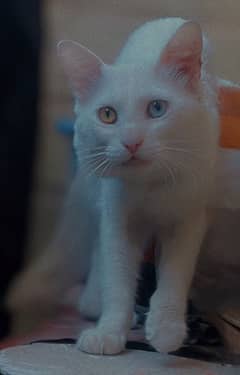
{"type": "Point", "coordinates": [132, 148]}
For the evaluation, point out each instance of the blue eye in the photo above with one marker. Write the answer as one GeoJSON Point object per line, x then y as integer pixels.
{"type": "Point", "coordinates": [157, 108]}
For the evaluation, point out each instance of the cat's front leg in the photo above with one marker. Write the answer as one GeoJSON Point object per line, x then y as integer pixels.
{"type": "Point", "coordinates": [165, 325]}
{"type": "Point", "coordinates": [119, 263]}
{"type": "Point", "coordinates": [90, 300]}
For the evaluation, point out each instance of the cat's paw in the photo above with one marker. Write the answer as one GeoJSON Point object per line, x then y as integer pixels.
{"type": "Point", "coordinates": [90, 304]}
{"type": "Point", "coordinates": [165, 334]}
{"type": "Point", "coordinates": [97, 341]}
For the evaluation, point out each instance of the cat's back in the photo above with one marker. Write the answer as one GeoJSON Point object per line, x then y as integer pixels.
{"type": "Point", "coordinates": [146, 42]}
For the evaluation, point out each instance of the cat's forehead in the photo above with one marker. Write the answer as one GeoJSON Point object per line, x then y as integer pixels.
{"type": "Point", "coordinates": [128, 83]}
{"type": "Point", "coordinates": [124, 69]}
{"type": "Point", "coordinates": [127, 79]}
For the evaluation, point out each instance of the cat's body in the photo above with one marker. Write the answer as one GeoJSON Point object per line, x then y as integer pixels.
{"type": "Point", "coordinates": [166, 199]}
{"type": "Point", "coordinates": [152, 175]}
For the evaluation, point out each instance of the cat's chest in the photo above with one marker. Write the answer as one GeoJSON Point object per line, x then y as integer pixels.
{"type": "Point", "coordinates": [156, 205]}
{"type": "Point", "coordinates": [151, 204]}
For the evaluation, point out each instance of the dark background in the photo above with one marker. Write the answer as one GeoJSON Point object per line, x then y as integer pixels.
{"type": "Point", "coordinates": [20, 35]}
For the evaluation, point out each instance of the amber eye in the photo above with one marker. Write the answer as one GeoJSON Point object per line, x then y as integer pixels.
{"type": "Point", "coordinates": [108, 115]}
{"type": "Point", "coordinates": [157, 108]}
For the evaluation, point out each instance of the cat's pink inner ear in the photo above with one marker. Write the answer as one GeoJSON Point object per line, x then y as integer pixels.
{"type": "Point", "coordinates": [82, 67]}
{"type": "Point", "coordinates": [183, 53]}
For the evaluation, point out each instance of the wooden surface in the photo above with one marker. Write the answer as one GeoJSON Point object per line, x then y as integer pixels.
{"type": "Point", "coordinates": [103, 27]}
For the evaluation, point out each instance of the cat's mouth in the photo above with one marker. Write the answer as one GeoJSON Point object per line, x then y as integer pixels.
{"type": "Point", "coordinates": [135, 162]}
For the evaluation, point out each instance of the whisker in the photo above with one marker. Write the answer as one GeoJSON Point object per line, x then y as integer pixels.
{"type": "Point", "coordinates": [99, 148]}
{"type": "Point", "coordinates": [106, 168]}
{"type": "Point", "coordinates": [91, 156]}
{"type": "Point", "coordinates": [174, 149]}
{"type": "Point", "coordinates": [99, 166]}
{"type": "Point", "coordinates": [91, 164]}
{"type": "Point", "coordinates": [171, 147]}
{"type": "Point", "coordinates": [165, 164]}
{"type": "Point", "coordinates": [172, 170]}
{"type": "Point", "coordinates": [93, 159]}
{"type": "Point", "coordinates": [179, 140]}
{"type": "Point", "coordinates": [179, 150]}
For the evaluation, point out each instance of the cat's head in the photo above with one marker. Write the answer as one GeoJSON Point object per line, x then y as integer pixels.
{"type": "Point", "coordinates": [136, 120]}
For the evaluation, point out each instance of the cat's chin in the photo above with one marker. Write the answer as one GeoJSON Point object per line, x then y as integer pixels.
{"type": "Point", "coordinates": [132, 169]}
{"type": "Point", "coordinates": [134, 162]}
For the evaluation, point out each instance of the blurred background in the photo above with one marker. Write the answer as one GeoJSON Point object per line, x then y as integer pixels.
{"type": "Point", "coordinates": [36, 104]}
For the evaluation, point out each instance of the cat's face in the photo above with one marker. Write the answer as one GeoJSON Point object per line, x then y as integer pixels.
{"type": "Point", "coordinates": [141, 120]}
{"type": "Point", "coordinates": [139, 123]}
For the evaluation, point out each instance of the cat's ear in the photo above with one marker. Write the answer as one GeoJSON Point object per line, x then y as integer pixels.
{"type": "Point", "coordinates": [82, 67]}
{"type": "Point", "coordinates": [182, 55]}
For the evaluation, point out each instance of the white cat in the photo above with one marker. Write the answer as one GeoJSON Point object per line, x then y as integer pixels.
{"type": "Point", "coordinates": [146, 135]}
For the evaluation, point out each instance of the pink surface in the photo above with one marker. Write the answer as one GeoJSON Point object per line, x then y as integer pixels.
{"type": "Point", "coordinates": [69, 324]}
{"type": "Point", "coordinates": [58, 359]}
{"type": "Point", "coordinates": [62, 359]}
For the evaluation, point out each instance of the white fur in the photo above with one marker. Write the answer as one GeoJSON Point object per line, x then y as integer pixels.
{"type": "Point", "coordinates": [164, 200]}
{"type": "Point", "coordinates": [115, 209]}
{"type": "Point", "coordinates": [146, 43]}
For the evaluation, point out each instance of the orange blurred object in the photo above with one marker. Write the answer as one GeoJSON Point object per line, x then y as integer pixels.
{"type": "Point", "coordinates": [229, 101]}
